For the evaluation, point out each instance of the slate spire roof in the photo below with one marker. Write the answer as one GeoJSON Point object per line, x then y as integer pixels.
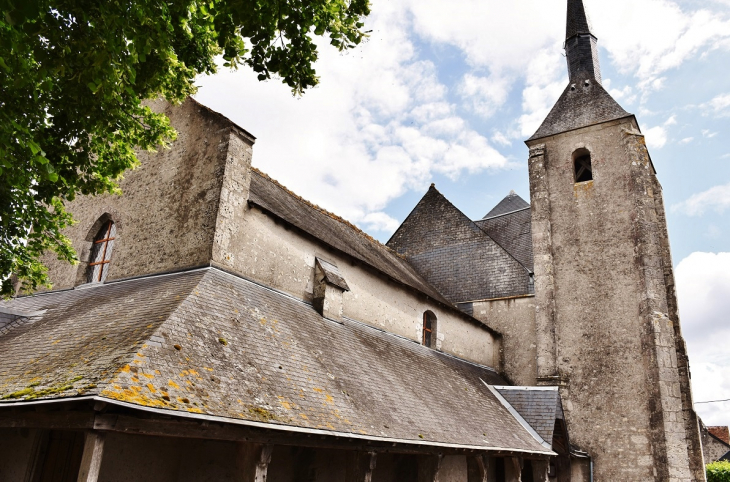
{"type": "Point", "coordinates": [511, 203]}
{"type": "Point", "coordinates": [578, 21]}
{"type": "Point", "coordinates": [584, 102]}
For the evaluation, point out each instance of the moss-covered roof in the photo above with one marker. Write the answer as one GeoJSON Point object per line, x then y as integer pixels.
{"type": "Point", "coordinates": [211, 343]}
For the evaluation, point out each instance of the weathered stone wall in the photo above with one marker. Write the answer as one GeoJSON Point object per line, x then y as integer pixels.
{"type": "Point", "coordinates": [277, 255]}
{"type": "Point", "coordinates": [603, 329]}
{"type": "Point", "coordinates": [167, 217]}
{"type": "Point", "coordinates": [514, 318]}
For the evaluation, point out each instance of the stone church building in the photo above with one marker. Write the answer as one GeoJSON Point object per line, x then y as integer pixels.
{"type": "Point", "coordinates": [221, 328]}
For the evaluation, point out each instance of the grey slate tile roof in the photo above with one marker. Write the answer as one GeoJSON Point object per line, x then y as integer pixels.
{"type": "Point", "coordinates": [512, 202]}
{"type": "Point", "coordinates": [211, 343]}
{"type": "Point", "coordinates": [578, 21]}
{"type": "Point", "coordinates": [539, 406]}
{"type": "Point", "coordinates": [336, 232]}
{"type": "Point", "coordinates": [513, 231]}
{"type": "Point", "coordinates": [461, 260]}
{"type": "Point", "coordinates": [580, 106]}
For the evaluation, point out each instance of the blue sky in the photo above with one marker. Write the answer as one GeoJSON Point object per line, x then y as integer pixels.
{"type": "Point", "coordinates": [446, 92]}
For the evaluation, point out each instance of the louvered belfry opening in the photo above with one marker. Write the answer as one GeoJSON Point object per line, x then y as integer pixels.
{"type": "Point", "coordinates": [429, 328]}
{"type": "Point", "coordinates": [583, 166]}
{"type": "Point", "coordinates": [101, 253]}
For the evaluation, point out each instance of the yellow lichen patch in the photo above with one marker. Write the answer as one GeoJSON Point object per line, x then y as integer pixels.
{"type": "Point", "coordinates": [304, 416]}
{"type": "Point", "coordinates": [194, 410]}
{"type": "Point", "coordinates": [193, 372]}
{"type": "Point", "coordinates": [135, 388]}
{"type": "Point", "coordinates": [284, 403]}
{"type": "Point", "coordinates": [56, 342]}
{"type": "Point", "coordinates": [148, 375]}
{"type": "Point", "coordinates": [151, 388]}
{"type": "Point", "coordinates": [209, 369]}
{"type": "Point", "coordinates": [173, 384]}
{"type": "Point", "coordinates": [329, 399]}
{"type": "Point", "coordinates": [318, 390]}
{"type": "Point", "coordinates": [133, 397]}
{"type": "Point", "coordinates": [184, 373]}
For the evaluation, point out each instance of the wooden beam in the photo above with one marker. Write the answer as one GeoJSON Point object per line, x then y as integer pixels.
{"type": "Point", "coordinates": [253, 462]}
{"type": "Point", "coordinates": [477, 467]}
{"type": "Point", "coordinates": [360, 466]}
{"type": "Point", "coordinates": [513, 469]}
{"type": "Point", "coordinates": [91, 459]}
{"type": "Point", "coordinates": [56, 420]}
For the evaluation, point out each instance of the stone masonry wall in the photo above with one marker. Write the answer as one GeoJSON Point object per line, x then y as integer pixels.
{"type": "Point", "coordinates": [614, 350]}
{"type": "Point", "coordinates": [277, 255]}
{"type": "Point", "coordinates": [514, 318]}
{"type": "Point", "coordinates": [167, 215]}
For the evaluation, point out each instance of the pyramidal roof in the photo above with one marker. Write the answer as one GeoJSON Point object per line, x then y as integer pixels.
{"type": "Point", "coordinates": [580, 106]}
{"type": "Point", "coordinates": [511, 203]}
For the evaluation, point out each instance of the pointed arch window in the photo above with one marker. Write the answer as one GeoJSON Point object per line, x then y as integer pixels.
{"type": "Point", "coordinates": [429, 329]}
{"type": "Point", "coordinates": [583, 167]}
{"type": "Point", "coordinates": [101, 253]}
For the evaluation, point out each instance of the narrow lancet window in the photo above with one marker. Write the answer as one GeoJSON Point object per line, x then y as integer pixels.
{"type": "Point", "coordinates": [101, 253]}
{"type": "Point", "coordinates": [429, 328]}
{"type": "Point", "coordinates": [583, 167]}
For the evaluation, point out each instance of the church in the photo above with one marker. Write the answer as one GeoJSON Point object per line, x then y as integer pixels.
{"type": "Point", "coordinates": [219, 327]}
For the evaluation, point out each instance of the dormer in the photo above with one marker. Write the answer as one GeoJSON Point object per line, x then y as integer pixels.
{"type": "Point", "coordinates": [329, 285]}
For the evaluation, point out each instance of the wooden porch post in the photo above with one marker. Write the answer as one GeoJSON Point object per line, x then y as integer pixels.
{"type": "Point", "coordinates": [253, 462]}
{"type": "Point", "coordinates": [91, 458]}
{"type": "Point", "coordinates": [477, 468]}
{"type": "Point", "coordinates": [360, 466]}
{"type": "Point", "coordinates": [429, 467]}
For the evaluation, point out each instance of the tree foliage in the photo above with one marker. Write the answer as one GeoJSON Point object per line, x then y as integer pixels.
{"type": "Point", "coordinates": [74, 75]}
{"type": "Point", "coordinates": [718, 471]}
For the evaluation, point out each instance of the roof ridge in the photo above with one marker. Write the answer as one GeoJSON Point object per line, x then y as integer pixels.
{"type": "Point", "coordinates": [325, 212]}
{"type": "Point", "coordinates": [503, 214]}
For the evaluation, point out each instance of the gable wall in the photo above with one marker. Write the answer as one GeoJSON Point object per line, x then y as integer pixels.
{"type": "Point", "coordinates": [277, 255]}
{"type": "Point", "coordinates": [166, 218]}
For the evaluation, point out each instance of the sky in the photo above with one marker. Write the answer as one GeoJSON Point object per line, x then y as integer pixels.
{"type": "Point", "coordinates": [447, 92]}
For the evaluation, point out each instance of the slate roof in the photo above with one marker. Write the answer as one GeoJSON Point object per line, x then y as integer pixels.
{"type": "Point", "coordinates": [211, 343]}
{"type": "Point", "coordinates": [457, 257]}
{"type": "Point", "coordinates": [513, 231]}
{"type": "Point", "coordinates": [580, 106]}
{"type": "Point", "coordinates": [512, 202]}
{"type": "Point", "coordinates": [336, 232]}
{"type": "Point", "coordinates": [539, 406]}
{"type": "Point", "coordinates": [578, 21]}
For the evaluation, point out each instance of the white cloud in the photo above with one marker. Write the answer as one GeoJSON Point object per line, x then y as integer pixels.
{"type": "Point", "coordinates": [484, 95]}
{"type": "Point", "coordinates": [501, 139]}
{"type": "Point", "coordinates": [716, 198]}
{"type": "Point", "coordinates": [656, 137]}
{"type": "Point", "coordinates": [650, 37]}
{"type": "Point", "coordinates": [703, 290]}
{"type": "Point", "coordinates": [718, 106]}
{"type": "Point", "coordinates": [380, 123]}
{"type": "Point", "coordinates": [707, 133]}
{"type": "Point", "coordinates": [380, 221]}
{"type": "Point", "coordinates": [686, 140]}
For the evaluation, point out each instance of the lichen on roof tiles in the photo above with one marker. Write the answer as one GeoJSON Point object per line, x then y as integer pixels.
{"type": "Point", "coordinates": [156, 342]}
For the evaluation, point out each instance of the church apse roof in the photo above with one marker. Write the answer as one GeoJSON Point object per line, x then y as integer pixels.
{"type": "Point", "coordinates": [205, 342]}
{"type": "Point", "coordinates": [454, 254]}
{"type": "Point", "coordinates": [510, 225]}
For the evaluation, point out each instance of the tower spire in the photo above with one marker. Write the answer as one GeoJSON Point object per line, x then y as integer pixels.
{"type": "Point", "coordinates": [581, 46]}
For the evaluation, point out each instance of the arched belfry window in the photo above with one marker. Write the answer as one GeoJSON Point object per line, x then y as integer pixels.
{"type": "Point", "coordinates": [101, 253]}
{"type": "Point", "coordinates": [429, 329]}
{"type": "Point", "coordinates": [582, 163]}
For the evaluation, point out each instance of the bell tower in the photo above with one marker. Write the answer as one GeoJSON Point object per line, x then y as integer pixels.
{"type": "Point", "coordinates": [607, 324]}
